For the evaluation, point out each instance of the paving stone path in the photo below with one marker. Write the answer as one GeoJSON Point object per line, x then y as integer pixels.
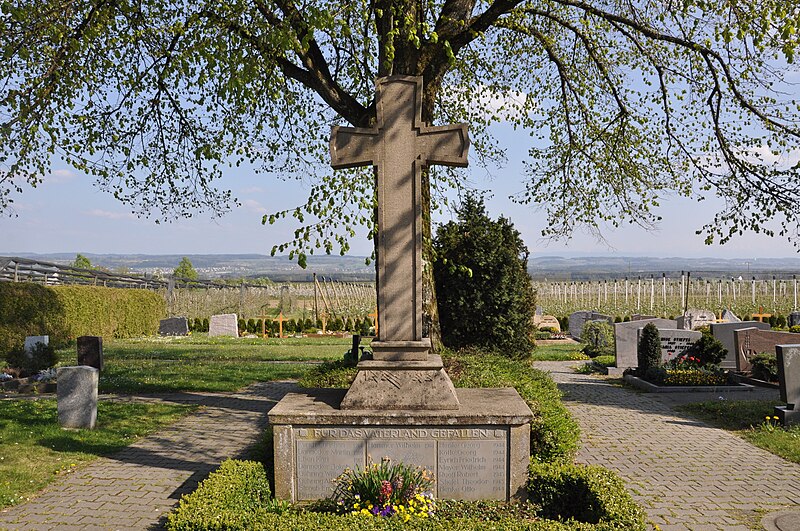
{"type": "Point", "coordinates": [135, 488]}
{"type": "Point", "coordinates": [686, 474]}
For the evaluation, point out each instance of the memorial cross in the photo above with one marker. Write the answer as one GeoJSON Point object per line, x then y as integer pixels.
{"type": "Point", "coordinates": [374, 317]}
{"type": "Point", "coordinates": [280, 320]}
{"type": "Point", "coordinates": [761, 315]}
{"type": "Point", "coordinates": [399, 146]}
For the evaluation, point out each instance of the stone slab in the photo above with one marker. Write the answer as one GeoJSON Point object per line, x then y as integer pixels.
{"type": "Point", "coordinates": [787, 416]}
{"type": "Point", "coordinates": [401, 350]}
{"type": "Point", "coordinates": [626, 339]}
{"type": "Point", "coordinates": [174, 326]}
{"type": "Point", "coordinates": [579, 318]}
{"type": "Point", "coordinates": [695, 318]}
{"type": "Point", "coordinates": [31, 342]}
{"type": "Point", "coordinates": [751, 341]}
{"type": "Point", "coordinates": [789, 373]}
{"type": "Point", "coordinates": [723, 332]}
{"type": "Point", "coordinates": [674, 343]}
{"type": "Point", "coordinates": [479, 451]}
{"type": "Point", "coordinates": [225, 324]}
{"type": "Point", "coordinates": [77, 396]}
{"type": "Point", "coordinates": [90, 351]}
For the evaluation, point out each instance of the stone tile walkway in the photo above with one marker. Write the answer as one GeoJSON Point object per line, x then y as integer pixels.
{"type": "Point", "coordinates": [686, 474]}
{"type": "Point", "coordinates": [135, 488]}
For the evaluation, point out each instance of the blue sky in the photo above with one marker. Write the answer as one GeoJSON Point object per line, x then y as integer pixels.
{"type": "Point", "coordinates": [68, 214]}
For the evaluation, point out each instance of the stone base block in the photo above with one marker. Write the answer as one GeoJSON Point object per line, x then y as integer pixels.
{"type": "Point", "coordinates": [788, 416]}
{"type": "Point", "coordinates": [412, 385]}
{"type": "Point", "coordinates": [77, 396]}
{"type": "Point", "coordinates": [480, 451]}
{"type": "Point", "coordinates": [401, 350]}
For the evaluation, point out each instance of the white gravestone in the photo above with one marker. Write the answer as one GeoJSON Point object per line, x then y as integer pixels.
{"type": "Point", "coordinates": [225, 324]}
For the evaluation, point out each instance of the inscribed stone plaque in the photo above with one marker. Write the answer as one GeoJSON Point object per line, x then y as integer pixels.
{"type": "Point", "coordinates": [751, 341]}
{"type": "Point", "coordinates": [723, 332]}
{"type": "Point", "coordinates": [90, 351]}
{"type": "Point", "coordinates": [320, 461]}
{"type": "Point", "coordinates": [224, 324]}
{"type": "Point", "coordinates": [789, 374]}
{"type": "Point", "coordinates": [418, 453]}
{"type": "Point", "coordinates": [472, 470]}
{"type": "Point", "coordinates": [174, 326]}
{"type": "Point", "coordinates": [626, 339]}
{"type": "Point", "coordinates": [674, 343]}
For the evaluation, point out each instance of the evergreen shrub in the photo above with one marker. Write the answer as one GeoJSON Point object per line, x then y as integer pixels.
{"type": "Point", "coordinates": [648, 352]}
{"type": "Point", "coordinates": [40, 358]}
{"type": "Point", "coordinates": [765, 366]}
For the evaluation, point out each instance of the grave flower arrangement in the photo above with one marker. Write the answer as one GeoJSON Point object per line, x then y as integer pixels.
{"type": "Point", "coordinates": [385, 489]}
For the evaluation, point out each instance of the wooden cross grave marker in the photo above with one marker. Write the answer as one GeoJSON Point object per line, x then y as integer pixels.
{"type": "Point", "coordinates": [263, 319]}
{"type": "Point", "coordinates": [761, 316]}
{"type": "Point", "coordinates": [374, 317]}
{"type": "Point", "coordinates": [399, 146]}
{"type": "Point", "coordinates": [280, 320]}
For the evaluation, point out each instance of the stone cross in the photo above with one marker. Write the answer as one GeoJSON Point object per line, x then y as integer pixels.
{"type": "Point", "coordinates": [399, 146]}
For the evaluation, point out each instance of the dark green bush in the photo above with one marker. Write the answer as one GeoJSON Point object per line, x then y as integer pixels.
{"type": "Point", "coordinates": [205, 324]}
{"type": "Point", "coordinates": [773, 321]}
{"type": "Point", "coordinates": [598, 339]}
{"type": "Point", "coordinates": [30, 310]}
{"type": "Point", "coordinates": [198, 325]}
{"type": "Point", "coordinates": [232, 497]}
{"type": "Point", "coordinates": [483, 288]}
{"type": "Point", "coordinates": [780, 322]}
{"type": "Point", "coordinates": [41, 357]}
{"type": "Point", "coordinates": [708, 349]}
{"type": "Point", "coordinates": [617, 319]}
{"type": "Point", "coordinates": [648, 352]}
{"type": "Point", "coordinates": [251, 326]}
{"type": "Point", "coordinates": [590, 494]}
{"type": "Point", "coordinates": [765, 367]}
{"type": "Point", "coordinates": [241, 324]}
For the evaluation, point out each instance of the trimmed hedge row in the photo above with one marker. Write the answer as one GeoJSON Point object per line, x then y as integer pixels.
{"type": "Point", "coordinates": [236, 497]}
{"type": "Point", "coordinates": [66, 312]}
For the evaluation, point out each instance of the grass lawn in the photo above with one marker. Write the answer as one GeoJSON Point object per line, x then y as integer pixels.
{"type": "Point", "coordinates": [748, 419]}
{"type": "Point", "coordinates": [34, 450]}
{"type": "Point", "coordinates": [559, 352]}
{"type": "Point", "coordinates": [199, 363]}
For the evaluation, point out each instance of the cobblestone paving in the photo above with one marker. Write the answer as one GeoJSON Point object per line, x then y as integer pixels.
{"type": "Point", "coordinates": [135, 488]}
{"type": "Point", "coordinates": [686, 474]}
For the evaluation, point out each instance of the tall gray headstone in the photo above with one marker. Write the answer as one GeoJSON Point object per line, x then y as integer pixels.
{"type": "Point", "coordinates": [225, 324]}
{"type": "Point", "coordinates": [90, 351]}
{"type": "Point", "coordinates": [77, 396]}
{"type": "Point", "coordinates": [626, 338]}
{"type": "Point", "coordinates": [32, 341]}
{"type": "Point", "coordinates": [675, 343]}
{"type": "Point", "coordinates": [579, 318]}
{"type": "Point", "coordinates": [173, 326]}
{"type": "Point", "coordinates": [789, 381]}
{"type": "Point", "coordinates": [723, 332]}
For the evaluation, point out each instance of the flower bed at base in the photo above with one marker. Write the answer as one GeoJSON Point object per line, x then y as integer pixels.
{"type": "Point", "coordinates": [650, 387]}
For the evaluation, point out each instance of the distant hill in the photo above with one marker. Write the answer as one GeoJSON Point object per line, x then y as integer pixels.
{"type": "Point", "coordinates": [354, 268]}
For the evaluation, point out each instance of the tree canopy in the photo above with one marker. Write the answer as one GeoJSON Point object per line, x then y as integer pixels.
{"type": "Point", "coordinates": [185, 269]}
{"type": "Point", "coordinates": [625, 102]}
{"type": "Point", "coordinates": [82, 262]}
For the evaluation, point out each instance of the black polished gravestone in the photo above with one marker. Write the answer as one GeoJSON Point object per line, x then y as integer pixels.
{"type": "Point", "coordinates": [90, 351]}
{"type": "Point", "coordinates": [173, 326]}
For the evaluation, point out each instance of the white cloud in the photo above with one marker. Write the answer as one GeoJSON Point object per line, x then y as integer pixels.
{"type": "Point", "coordinates": [61, 176]}
{"type": "Point", "coordinates": [253, 206]}
{"type": "Point", "coordinates": [253, 190]}
{"type": "Point", "coordinates": [107, 214]}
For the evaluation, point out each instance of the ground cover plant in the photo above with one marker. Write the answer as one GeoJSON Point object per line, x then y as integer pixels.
{"type": "Point", "coordinates": [754, 421]}
{"type": "Point", "coordinates": [199, 363]}
{"type": "Point", "coordinates": [34, 450]}
{"type": "Point", "coordinates": [558, 352]}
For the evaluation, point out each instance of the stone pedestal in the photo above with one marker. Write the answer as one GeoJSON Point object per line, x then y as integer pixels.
{"type": "Point", "coordinates": [479, 451]}
{"type": "Point", "coordinates": [77, 396]}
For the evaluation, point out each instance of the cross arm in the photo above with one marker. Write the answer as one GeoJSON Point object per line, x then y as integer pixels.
{"type": "Point", "coordinates": [352, 147]}
{"type": "Point", "coordinates": [445, 145]}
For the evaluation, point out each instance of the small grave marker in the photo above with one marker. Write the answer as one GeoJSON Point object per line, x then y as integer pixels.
{"type": "Point", "coordinates": [90, 351]}
{"type": "Point", "coordinates": [77, 396]}
{"type": "Point", "coordinates": [280, 320]}
{"type": "Point", "coordinates": [225, 324]}
{"type": "Point", "coordinates": [761, 315]}
{"type": "Point", "coordinates": [374, 317]}
{"type": "Point", "coordinates": [173, 326]}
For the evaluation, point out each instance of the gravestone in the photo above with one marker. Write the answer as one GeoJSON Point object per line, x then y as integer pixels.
{"type": "Point", "coordinates": [723, 332]}
{"type": "Point", "coordinates": [748, 342]}
{"type": "Point", "coordinates": [789, 381]}
{"type": "Point", "coordinates": [174, 326]}
{"type": "Point", "coordinates": [77, 396]}
{"type": "Point", "coordinates": [90, 351]}
{"type": "Point", "coordinates": [547, 321]}
{"type": "Point", "coordinates": [729, 317]}
{"type": "Point", "coordinates": [794, 319]}
{"type": "Point", "coordinates": [225, 324]}
{"type": "Point", "coordinates": [402, 404]}
{"type": "Point", "coordinates": [578, 319]}
{"type": "Point", "coordinates": [694, 319]}
{"type": "Point", "coordinates": [626, 339]}
{"type": "Point", "coordinates": [674, 343]}
{"type": "Point", "coordinates": [642, 317]}
{"type": "Point", "coordinates": [32, 341]}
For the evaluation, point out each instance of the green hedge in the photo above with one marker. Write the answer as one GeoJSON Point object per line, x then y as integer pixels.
{"type": "Point", "coordinates": [590, 494]}
{"type": "Point", "coordinates": [66, 312]}
{"type": "Point", "coordinates": [235, 496]}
